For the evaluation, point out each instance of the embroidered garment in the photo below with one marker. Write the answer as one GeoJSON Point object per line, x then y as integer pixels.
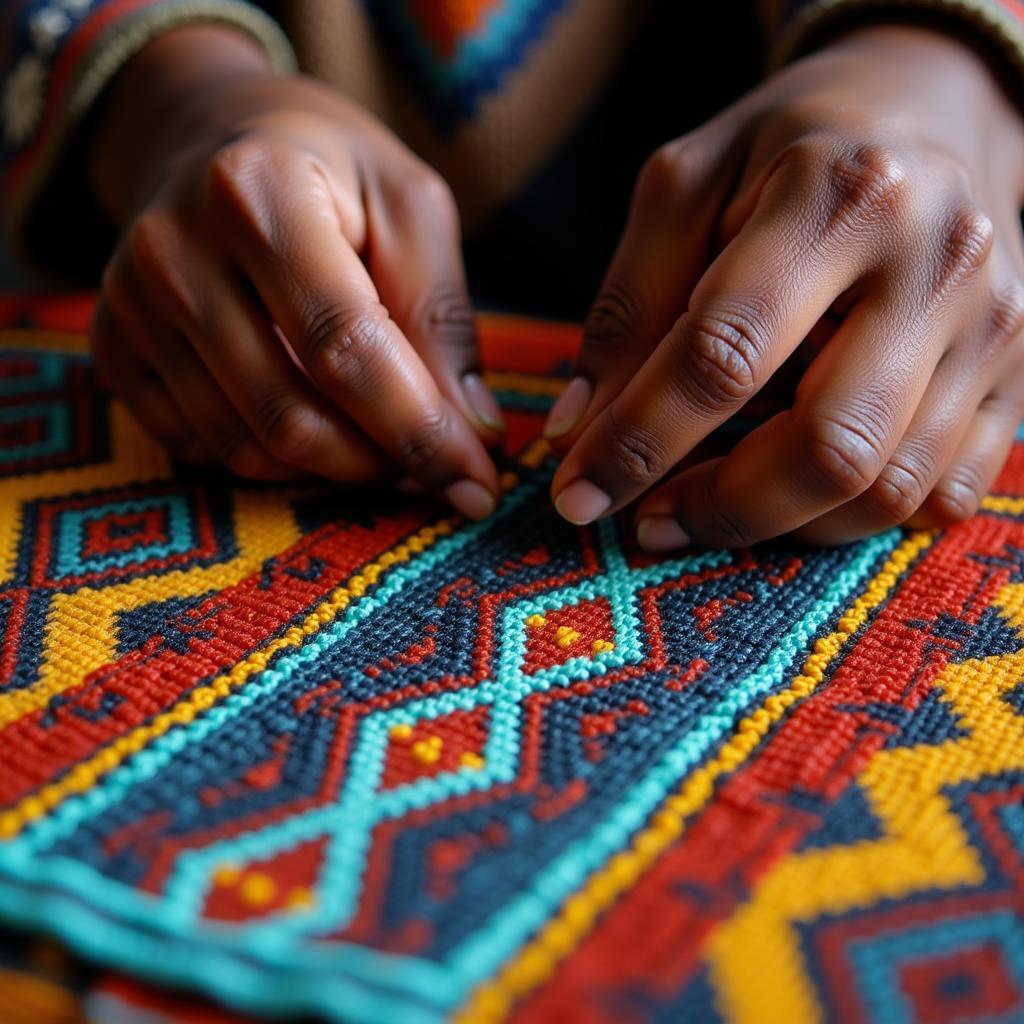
{"type": "Point", "coordinates": [488, 91]}
{"type": "Point", "coordinates": [304, 751]}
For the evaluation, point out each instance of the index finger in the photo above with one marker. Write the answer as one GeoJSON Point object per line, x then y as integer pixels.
{"type": "Point", "coordinates": [755, 304]}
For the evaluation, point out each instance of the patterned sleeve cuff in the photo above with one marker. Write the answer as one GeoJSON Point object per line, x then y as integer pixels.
{"type": "Point", "coordinates": [65, 54]}
{"type": "Point", "coordinates": [997, 26]}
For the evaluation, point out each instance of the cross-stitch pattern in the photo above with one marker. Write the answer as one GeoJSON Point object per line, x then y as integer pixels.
{"type": "Point", "coordinates": [311, 752]}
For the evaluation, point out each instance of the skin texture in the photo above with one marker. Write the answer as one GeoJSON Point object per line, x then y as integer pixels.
{"type": "Point", "coordinates": [287, 295]}
{"type": "Point", "coordinates": [864, 201]}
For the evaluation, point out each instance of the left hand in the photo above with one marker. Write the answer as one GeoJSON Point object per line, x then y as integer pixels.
{"type": "Point", "coordinates": [868, 197]}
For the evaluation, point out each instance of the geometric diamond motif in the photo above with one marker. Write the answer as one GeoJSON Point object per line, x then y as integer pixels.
{"type": "Point", "coordinates": [571, 632]}
{"type": "Point", "coordinates": [504, 693]}
{"type": "Point", "coordinates": [113, 535]}
{"type": "Point", "coordinates": [89, 540]}
{"type": "Point", "coordinates": [51, 415]}
{"type": "Point", "coordinates": [998, 814]}
{"type": "Point", "coordinates": [434, 745]}
{"type": "Point", "coordinates": [240, 893]}
{"type": "Point", "coordinates": [26, 373]}
{"type": "Point", "coordinates": [381, 764]}
{"type": "Point", "coordinates": [934, 972]}
{"type": "Point", "coordinates": [970, 984]}
{"type": "Point", "coordinates": [33, 431]}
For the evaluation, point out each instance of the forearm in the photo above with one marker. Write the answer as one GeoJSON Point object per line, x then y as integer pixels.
{"type": "Point", "coordinates": [941, 80]}
{"type": "Point", "coordinates": [156, 99]}
{"type": "Point", "coordinates": [993, 28]}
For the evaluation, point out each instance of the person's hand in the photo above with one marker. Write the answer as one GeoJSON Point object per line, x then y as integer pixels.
{"type": "Point", "coordinates": [287, 295]}
{"type": "Point", "coordinates": [867, 197]}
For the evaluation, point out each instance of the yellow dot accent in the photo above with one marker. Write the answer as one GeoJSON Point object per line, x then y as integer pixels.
{"type": "Point", "coordinates": [535, 453]}
{"type": "Point", "coordinates": [602, 646]}
{"type": "Point", "coordinates": [257, 889]}
{"type": "Point", "coordinates": [86, 774]}
{"type": "Point", "coordinates": [470, 760]}
{"type": "Point", "coordinates": [427, 751]}
{"type": "Point", "coordinates": [401, 732]}
{"type": "Point", "coordinates": [226, 874]}
{"type": "Point", "coordinates": [566, 636]}
{"type": "Point", "coordinates": [300, 898]}
{"type": "Point", "coordinates": [536, 621]}
{"type": "Point", "coordinates": [491, 1002]}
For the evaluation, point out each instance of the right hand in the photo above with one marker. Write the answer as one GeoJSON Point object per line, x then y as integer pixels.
{"type": "Point", "coordinates": [287, 294]}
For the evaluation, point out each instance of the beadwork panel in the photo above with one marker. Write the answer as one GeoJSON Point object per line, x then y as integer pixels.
{"type": "Point", "coordinates": [342, 754]}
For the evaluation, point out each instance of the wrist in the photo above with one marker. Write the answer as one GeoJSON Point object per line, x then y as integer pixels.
{"type": "Point", "coordinates": [946, 86]}
{"type": "Point", "coordinates": [162, 98]}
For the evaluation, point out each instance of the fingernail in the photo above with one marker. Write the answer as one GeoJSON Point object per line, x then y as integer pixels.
{"type": "Point", "coordinates": [470, 498]}
{"type": "Point", "coordinates": [569, 409]}
{"type": "Point", "coordinates": [483, 403]}
{"type": "Point", "coordinates": [661, 533]}
{"type": "Point", "coordinates": [582, 502]}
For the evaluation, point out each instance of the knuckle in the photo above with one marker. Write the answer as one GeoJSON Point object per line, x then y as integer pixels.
{"type": "Point", "coordinates": [635, 455]}
{"type": "Point", "coordinates": [614, 318]}
{"type": "Point", "coordinates": [807, 160]}
{"type": "Point", "coordinates": [419, 450]}
{"type": "Point", "coordinates": [236, 165]}
{"type": "Point", "coordinates": [1006, 405]}
{"type": "Point", "coordinates": [1006, 316]}
{"type": "Point", "coordinates": [434, 193]}
{"type": "Point", "coordinates": [237, 176]}
{"type": "Point", "coordinates": [963, 246]}
{"type": "Point", "coordinates": [445, 315]}
{"type": "Point", "coordinates": [115, 290]}
{"type": "Point", "coordinates": [959, 494]}
{"type": "Point", "coordinates": [899, 491]}
{"type": "Point", "coordinates": [423, 193]}
{"type": "Point", "coordinates": [845, 453]}
{"type": "Point", "coordinates": [865, 182]}
{"type": "Point", "coordinates": [108, 277]}
{"type": "Point", "coordinates": [723, 355]}
{"type": "Point", "coordinates": [288, 426]}
{"type": "Point", "coordinates": [150, 241]}
{"type": "Point", "coordinates": [342, 346]}
{"type": "Point", "coordinates": [664, 172]}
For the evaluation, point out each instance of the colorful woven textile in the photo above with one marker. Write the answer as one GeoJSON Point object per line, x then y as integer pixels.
{"type": "Point", "coordinates": [311, 752]}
